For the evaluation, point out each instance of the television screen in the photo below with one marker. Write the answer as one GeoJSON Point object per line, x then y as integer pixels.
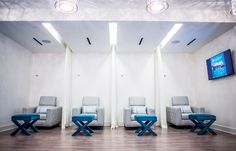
{"type": "Point", "coordinates": [220, 65]}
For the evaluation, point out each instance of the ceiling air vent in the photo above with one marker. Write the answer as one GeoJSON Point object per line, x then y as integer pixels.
{"type": "Point", "coordinates": [88, 40]}
{"type": "Point", "coordinates": [191, 42]}
{"type": "Point", "coordinates": [140, 42]}
{"type": "Point", "coordinates": [37, 41]}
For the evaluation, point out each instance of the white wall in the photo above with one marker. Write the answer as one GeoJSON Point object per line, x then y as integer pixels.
{"type": "Point", "coordinates": [177, 78]}
{"type": "Point", "coordinates": [217, 96]}
{"type": "Point", "coordinates": [47, 76]}
{"type": "Point", "coordinates": [91, 76]}
{"type": "Point", "coordinates": [135, 77]}
{"type": "Point", "coordinates": [15, 66]}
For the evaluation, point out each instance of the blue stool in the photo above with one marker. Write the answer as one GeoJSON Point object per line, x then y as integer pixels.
{"type": "Point", "coordinates": [146, 121]}
{"type": "Point", "coordinates": [82, 121]}
{"type": "Point", "coordinates": [204, 122]}
{"type": "Point", "coordinates": [29, 120]}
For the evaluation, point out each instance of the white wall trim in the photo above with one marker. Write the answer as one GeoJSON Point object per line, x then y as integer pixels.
{"type": "Point", "coordinates": [7, 127]}
{"type": "Point", "coordinates": [114, 122]}
{"type": "Point", "coordinates": [225, 129]}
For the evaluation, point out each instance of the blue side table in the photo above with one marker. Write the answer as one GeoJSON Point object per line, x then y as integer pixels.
{"type": "Point", "coordinates": [28, 119]}
{"type": "Point", "coordinates": [82, 121]}
{"type": "Point", "coordinates": [204, 122]}
{"type": "Point", "coordinates": [146, 121]}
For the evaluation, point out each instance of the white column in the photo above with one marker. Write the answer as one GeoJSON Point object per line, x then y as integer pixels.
{"type": "Point", "coordinates": [113, 90]}
{"type": "Point", "coordinates": [156, 89]}
{"type": "Point", "coordinates": [160, 101]}
{"type": "Point", "coordinates": [66, 114]}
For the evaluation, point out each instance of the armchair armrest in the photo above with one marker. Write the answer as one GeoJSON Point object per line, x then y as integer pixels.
{"type": "Point", "coordinates": [76, 111]}
{"type": "Point", "coordinates": [198, 109]}
{"type": "Point", "coordinates": [173, 115]}
{"type": "Point", "coordinates": [29, 109]}
{"type": "Point", "coordinates": [127, 116]}
{"type": "Point", "coordinates": [100, 115]}
{"type": "Point", "coordinates": [151, 111]}
{"type": "Point", "coordinates": [54, 116]}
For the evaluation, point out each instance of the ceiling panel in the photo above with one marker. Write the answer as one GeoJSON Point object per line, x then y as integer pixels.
{"type": "Point", "coordinates": [203, 32]}
{"type": "Point", "coordinates": [23, 33]}
{"type": "Point", "coordinates": [130, 34]}
{"type": "Point", "coordinates": [75, 35]}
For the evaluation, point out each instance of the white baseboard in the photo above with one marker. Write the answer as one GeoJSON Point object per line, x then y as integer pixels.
{"type": "Point", "coordinates": [7, 127]}
{"type": "Point", "coordinates": [225, 129]}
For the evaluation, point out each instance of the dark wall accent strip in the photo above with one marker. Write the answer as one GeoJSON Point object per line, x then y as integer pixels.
{"type": "Point", "coordinates": [191, 41]}
{"type": "Point", "coordinates": [37, 41]}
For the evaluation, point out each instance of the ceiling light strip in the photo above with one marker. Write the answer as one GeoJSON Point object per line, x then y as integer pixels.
{"type": "Point", "coordinates": [54, 33]}
{"type": "Point", "coordinates": [170, 34]}
{"type": "Point", "coordinates": [113, 33]}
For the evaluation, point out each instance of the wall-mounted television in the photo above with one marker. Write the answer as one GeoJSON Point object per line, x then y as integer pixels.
{"type": "Point", "coordinates": [220, 65]}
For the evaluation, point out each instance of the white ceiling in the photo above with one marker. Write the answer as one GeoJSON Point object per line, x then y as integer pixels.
{"type": "Point", "coordinates": [23, 33]}
{"type": "Point", "coordinates": [130, 33]}
{"type": "Point", "coordinates": [75, 33]}
{"type": "Point", "coordinates": [49, 4]}
{"type": "Point", "coordinates": [119, 10]}
{"type": "Point", "coordinates": [203, 32]}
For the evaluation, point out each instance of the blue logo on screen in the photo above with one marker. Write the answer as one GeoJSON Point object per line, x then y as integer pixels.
{"type": "Point", "coordinates": [218, 66]}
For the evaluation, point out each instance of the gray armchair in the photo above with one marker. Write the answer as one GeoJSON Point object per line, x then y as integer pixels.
{"type": "Point", "coordinates": [91, 105]}
{"type": "Point", "coordinates": [178, 113]}
{"type": "Point", "coordinates": [50, 114]}
{"type": "Point", "coordinates": [138, 104]}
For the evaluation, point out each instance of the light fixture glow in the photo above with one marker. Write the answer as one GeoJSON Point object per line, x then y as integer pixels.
{"type": "Point", "coordinates": [170, 34]}
{"type": "Point", "coordinates": [156, 6]}
{"type": "Point", "coordinates": [113, 33]}
{"type": "Point", "coordinates": [233, 7]}
{"type": "Point", "coordinates": [54, 33]}
{"type": "Point", "coordinates": [66, 6]}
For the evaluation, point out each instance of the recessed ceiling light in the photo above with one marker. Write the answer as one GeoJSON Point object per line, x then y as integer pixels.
{"type": "Point", "coordinates": [233, 7]}
{"type": "Point", "coordinates": [156, 6]}
{"type": "Point", "coordinates": [66, 6]}
{"type": "Point", "coordinates": [46, 41]}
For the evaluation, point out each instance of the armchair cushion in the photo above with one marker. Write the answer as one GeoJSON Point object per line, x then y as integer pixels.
{"type": "Point", "coordinates": [133, 117]}
{"type": "Point", "coordinates": [29, 109]}
{"type": "Point", "coordinates": [89, 109]}
{"type": "Point", "coordinates": [198, 110]}
{"type": "Point", "coordinates": [184, 116]}
{"type": "Point", "coordinates": [43, 109]}
{"type": "Point", "coordinates": [138, 110]}
{"type": "Point", "coordinates": [43, 116]}
{"type": "Point", "coordinates": [185, 109]}
{"type": "Point", "coordinates": [95, 116]}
